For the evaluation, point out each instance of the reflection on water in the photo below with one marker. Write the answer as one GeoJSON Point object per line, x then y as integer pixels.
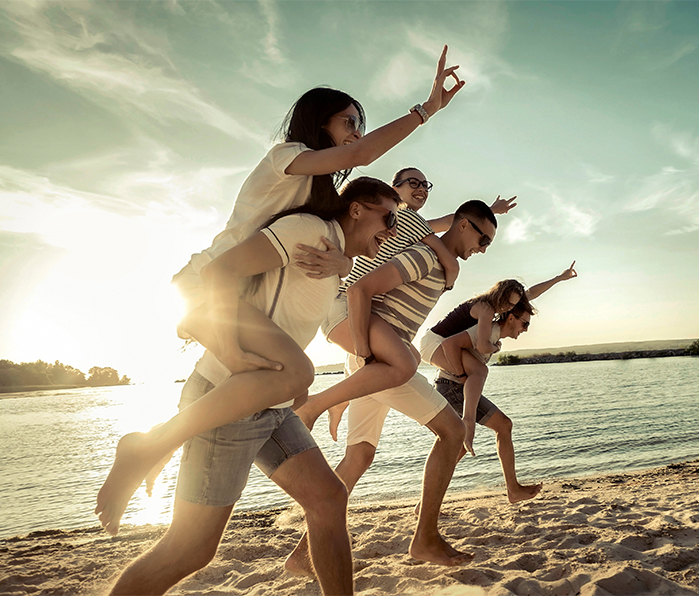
{"type": "Point", "coordinates": [569, 419]}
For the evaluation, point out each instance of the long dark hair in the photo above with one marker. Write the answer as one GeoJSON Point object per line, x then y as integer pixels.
{"type": "Point", "coordinates": [304, 124]}
{"type": "Point", "coordinates": [363, 189]}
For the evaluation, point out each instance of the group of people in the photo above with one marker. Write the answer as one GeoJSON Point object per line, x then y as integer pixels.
{"type": "Point", "coordinates": [256, 298]}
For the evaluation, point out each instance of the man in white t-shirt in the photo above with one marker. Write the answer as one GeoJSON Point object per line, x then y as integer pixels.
{"type": "Point", "coordinates": [215, 465]}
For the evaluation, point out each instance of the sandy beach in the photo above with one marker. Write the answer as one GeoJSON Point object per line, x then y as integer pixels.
{"type": "Point", "coordinates": [620, 534]}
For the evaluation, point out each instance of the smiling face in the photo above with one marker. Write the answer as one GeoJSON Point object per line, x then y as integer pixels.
{"type": "Point", "coordinates": [476, 236]}
{"type": "Point", "coordinates": [341, 126]}
{"type": "Point", "coordinates": [513, 299]}
{"type": "Point", "coordinates": [516, 325]}
{"type": "Point", "coordinates": [372, 230]}
{"type": "Point", "coordinates": [414, 198]}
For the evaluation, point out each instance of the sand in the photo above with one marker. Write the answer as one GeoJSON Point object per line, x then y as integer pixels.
{"type": "Point", "coordinates": [631, 533]}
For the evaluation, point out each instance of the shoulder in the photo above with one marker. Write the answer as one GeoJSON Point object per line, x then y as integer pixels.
{"type": "Point", "coordinates": [282, 154]}
{"type": "Point", "coordinates": [416, 262]}
{"type": "Point", "coordinates": [412, 223]}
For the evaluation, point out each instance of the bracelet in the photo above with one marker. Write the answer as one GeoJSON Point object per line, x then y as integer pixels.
{"type": "Point", "coordinates": [421, 111]}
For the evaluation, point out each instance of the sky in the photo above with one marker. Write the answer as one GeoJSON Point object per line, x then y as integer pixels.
{"type": "Point", "coordinates": [127, 129]}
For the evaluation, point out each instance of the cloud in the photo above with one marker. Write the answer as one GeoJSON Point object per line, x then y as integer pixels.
{"type": "Point", "coordinates": [519, 230]}
{"type": "Point", "coordinates": [113, 61]}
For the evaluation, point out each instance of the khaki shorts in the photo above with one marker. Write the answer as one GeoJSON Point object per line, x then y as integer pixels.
{"type": "Point", "coordinates": [429, 344]}
{"type": "Point", "coordinates": [417, 399]}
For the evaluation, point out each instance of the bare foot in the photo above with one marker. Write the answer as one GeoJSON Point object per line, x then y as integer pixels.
{"type": "Point", "coordinates": [132, 462]}
{"type": "Point", "coordinates": [438, 551]}
{"type": "Point", "coordinates": [522, 492]}
{"type": "Point", "coordinates": [155, 471]}
{"type": "Point", "coordinates": [334, 418]}
{"type": "Point", "coordinates": [299, 561]}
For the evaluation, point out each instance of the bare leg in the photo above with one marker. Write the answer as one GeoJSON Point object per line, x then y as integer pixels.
{"type": "Point", "coordinates": [394, 366]}
{"type": "Point", "coordinates": [516, 492]}
{"type": "Point", "coordinates": [357, 460]}
{"type": "Point", "coordinates": [427, 544]}
{"type": "Point", "coordinates": [189, 545]}
{"type": "Point", "coordinates": [310, 481]}
{"type": "Point", "coordinates": [239, 396]}
{"type": "Point", "coordinates": [335, 417]}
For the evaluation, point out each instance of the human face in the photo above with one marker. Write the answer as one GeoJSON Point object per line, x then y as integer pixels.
{"type": "Point", "coordinates": [514, 298]}
{"type": "Point", "coordinates": [342, 126]}
{"type": "Point", "coordinates": [476, 236]}
{"type": "Point", "coordinates": [374, 227]}
{"type": "Point", "coordinates": [414, 198]}
{"type": "Point", "coordinates": [520, 324]}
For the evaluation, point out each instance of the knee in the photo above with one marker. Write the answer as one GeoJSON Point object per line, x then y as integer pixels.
{"type": "Point", "coordinates": [402, 371]}
{"type": "Point", "coordinates": [187, 558]}
{"type": "Point", "coordinates": [505, 426]}
{"type": "Point", "coordinates": [331, 500]}
{"type": "Point", "coordinates": [363, 456]}
{"type": "Point", "coordinates": [300, 374]}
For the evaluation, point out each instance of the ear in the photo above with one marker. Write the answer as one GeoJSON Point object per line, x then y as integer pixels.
{"type": "Point", "coordinates": [355, 209]}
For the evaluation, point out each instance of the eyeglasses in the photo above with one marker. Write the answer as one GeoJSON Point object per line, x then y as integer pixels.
{"type": "Point", "coordinates": [415, 183]}
{"type": "Point", "coordinates": [352, 124]}
{"type": "Point", "coordinates": [390, 217]}
{"type": "Point", "coordinates": [525, 324]}
{"type": "Point", "coordinates": [485, 239]}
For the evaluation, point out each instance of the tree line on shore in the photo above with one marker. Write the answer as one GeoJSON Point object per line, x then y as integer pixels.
{"type": "Point", "coordinates": [40, 374]}
{"type": "Point", "coordinates": [513, 359]}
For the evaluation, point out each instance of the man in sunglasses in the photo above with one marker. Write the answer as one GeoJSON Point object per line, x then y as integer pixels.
{"type": "Point", "coordinates": [411, 283]}
{"type": "Point", "coordinates": [457, 331]}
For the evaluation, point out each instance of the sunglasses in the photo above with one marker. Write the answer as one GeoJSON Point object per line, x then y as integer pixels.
{"type": "Point", "coordinates": [353, 124]}
{"type": "Point", "coordinates": [415, 183]}
{"type": "Point", "coordinates": [390, 218]}
{"type": "Point", "coordinates": [525, 324]}
{"type": "Point", "coordinates": [485, 239]}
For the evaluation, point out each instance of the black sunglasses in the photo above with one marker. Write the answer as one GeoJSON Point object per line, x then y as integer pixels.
{"type": "Point", "coordinates": [415, 183]}
{"type": "Point", "coordinates": [525, 324]}
{"type": "Point", "coordinates": [485, 239]}
{"type": "Point", "coordinates": [390, 217]}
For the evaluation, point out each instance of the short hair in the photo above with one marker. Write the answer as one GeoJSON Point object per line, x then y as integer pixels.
{"type": "Point", "coordinates": [367, 190]}
{"type": "Point", "coordinates": [477, 209]}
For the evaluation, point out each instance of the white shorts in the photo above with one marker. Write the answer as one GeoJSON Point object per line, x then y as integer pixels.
{"type": "Point", "coordinates": [429, 344]}
{"type": "Point", "coordinates": [418, 399]}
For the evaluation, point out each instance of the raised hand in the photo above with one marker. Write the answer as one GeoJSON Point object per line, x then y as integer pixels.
{"type": "Point", "coordinates": [502, 206]}
{"type": "Point", "coordinates": [440, 97]}
{"type": "Point", "coordinates": [569, 273]}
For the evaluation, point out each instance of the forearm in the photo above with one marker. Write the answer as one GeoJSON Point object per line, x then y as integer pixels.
{"type": "Point", "coordinates": [537, 290]}
{"type": "Point", "coordinates": [441, 224]}
{"type": "Point", "coordinates": [359, 315]}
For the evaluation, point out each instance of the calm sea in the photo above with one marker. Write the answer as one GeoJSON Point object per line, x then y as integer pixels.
{"type": "Point", "coordinates": [570, 419]}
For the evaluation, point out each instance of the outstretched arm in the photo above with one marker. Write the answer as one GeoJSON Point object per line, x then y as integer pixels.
{"type": "Point", "coordinates": [365, 150]}
{"type": "Point", "coordinates": [381, 280]}
{"type": "Point", "coordinates": [537, 290]}
{"type": "Point", "coordinates": [221, 280]}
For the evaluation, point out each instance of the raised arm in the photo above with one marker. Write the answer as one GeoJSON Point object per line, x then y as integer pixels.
{"type": "Point", "coordinates": [502, 206]}
{"type": "Point", "coordinates": [221, 280]}
{"type": "Point", "coordinates": [537, 290]}
{"type": "Point", "coordinates": [367, 149]}
{"type": "Point", "coordinates": [441, 224]}
{"type": "Point", "coordinates": [381, 280]}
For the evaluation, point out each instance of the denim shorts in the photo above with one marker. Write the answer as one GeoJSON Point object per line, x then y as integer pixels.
{"type": "Point", "coordinates": [336, 315]}
{"type": "Point", "coordinates": [453, 392]}
{"type": "Point", "coordinates": [215, 465]}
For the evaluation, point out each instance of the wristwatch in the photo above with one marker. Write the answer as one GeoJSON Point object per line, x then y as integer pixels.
{"type": "Point", "coordinates": [363, 361]}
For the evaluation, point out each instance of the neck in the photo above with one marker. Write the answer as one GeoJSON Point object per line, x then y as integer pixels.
{"type": "Point", "coordinates": [450, 239]}
{"type": "Point", "coordinates": [351, 247]}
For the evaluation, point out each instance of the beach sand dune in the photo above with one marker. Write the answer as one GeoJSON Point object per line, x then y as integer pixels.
{"type": "Point", "coordinates": [621, 534]}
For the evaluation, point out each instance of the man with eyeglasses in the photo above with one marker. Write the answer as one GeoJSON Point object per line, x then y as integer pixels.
{"type": "Point", "coordinates": [458, 331]}
{"type": "Point", "coordinates": [411, 283]}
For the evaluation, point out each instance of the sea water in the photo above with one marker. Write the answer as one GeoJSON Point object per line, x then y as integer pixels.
{"type": "Point", "coordinates": [570, 419]}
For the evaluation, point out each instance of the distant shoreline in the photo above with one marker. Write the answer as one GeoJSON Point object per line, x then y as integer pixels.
{"type": "Point", "coordinates": [512, 360]}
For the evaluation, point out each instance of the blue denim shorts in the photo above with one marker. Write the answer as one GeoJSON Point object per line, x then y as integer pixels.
{"type": "Point", "coordinates": [215, 465]}
{"type": "Point", "coordinates": [453, 392]}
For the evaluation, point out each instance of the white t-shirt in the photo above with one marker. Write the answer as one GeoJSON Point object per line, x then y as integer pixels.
{"type": "Point", "coordinates": [291, 299]}
{"type": "Point", "coordinates": [266, 191]}
{"type": "Point", "coordinates": [493, 339]}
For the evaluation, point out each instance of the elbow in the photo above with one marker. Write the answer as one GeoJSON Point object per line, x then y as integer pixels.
{"type": "Point", "coordinates": [362, 153]}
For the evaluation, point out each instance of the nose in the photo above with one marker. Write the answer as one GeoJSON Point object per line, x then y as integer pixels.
{"type": "Point", "coordinates": [482, 249]}
{"type": "Point", "coordinates": [393, 232]}
{"type": "Point", "coordinates": [357, 134]}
